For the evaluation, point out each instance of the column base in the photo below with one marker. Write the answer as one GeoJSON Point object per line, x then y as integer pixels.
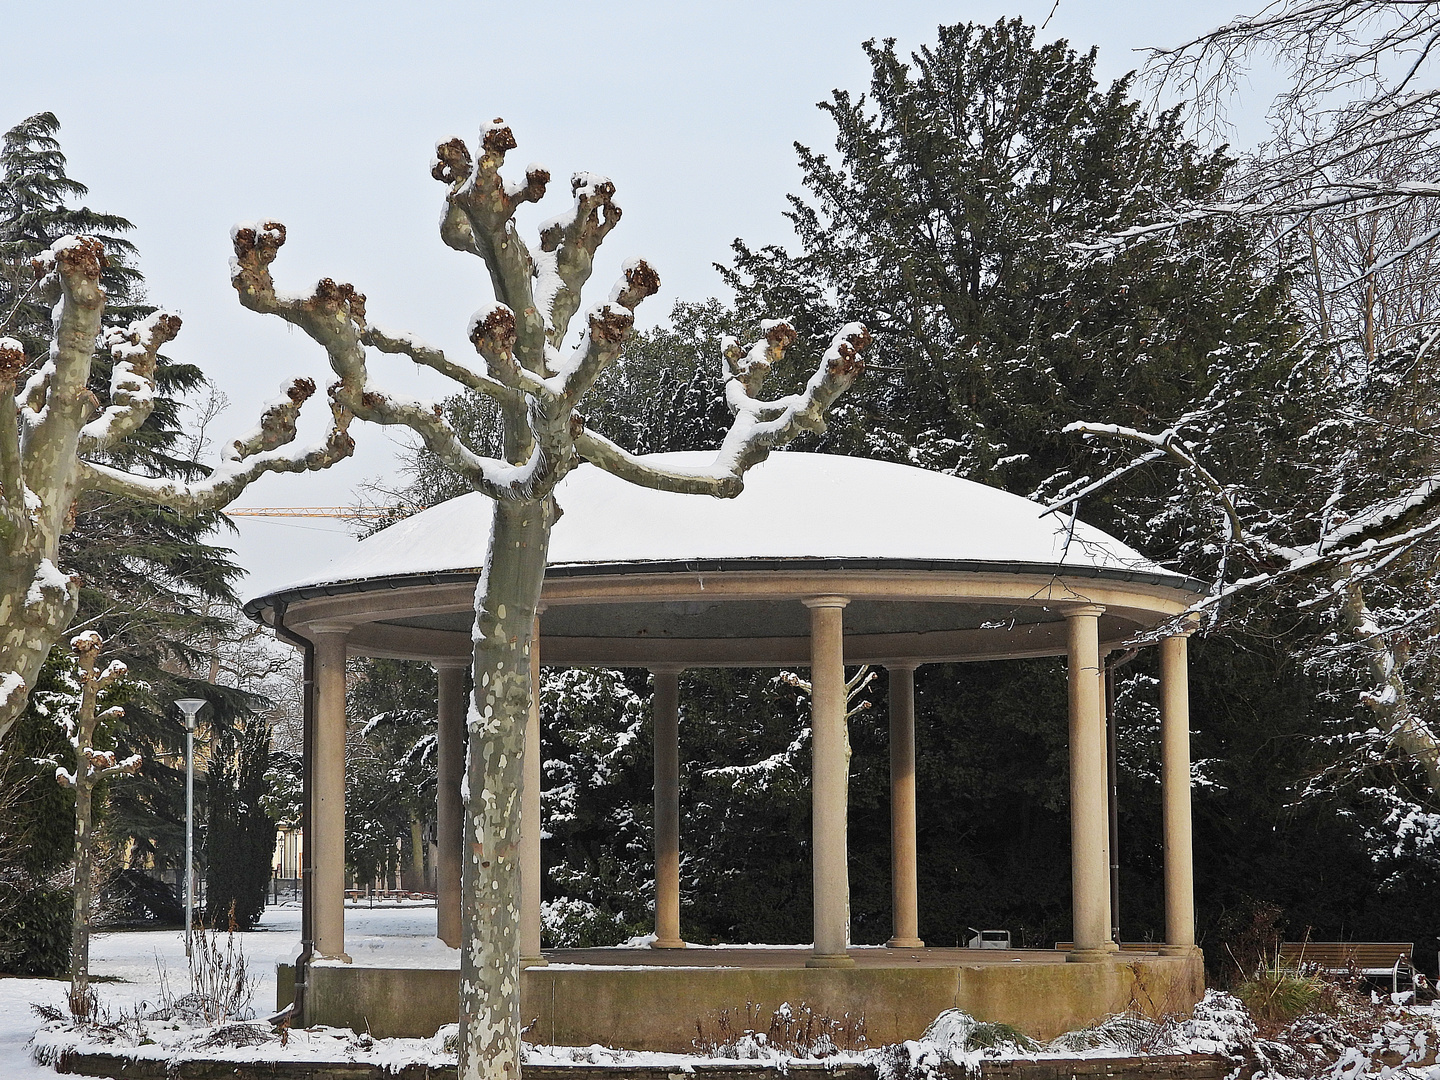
{"type": "Point", "coordinates": [338, 958]}
{"type": "Point", "coordinates": [1180, 950]}
{"type": "Point", "coordinates": [667, 943]}
{"type": "Point", "coordinates": [1090, 956]}
{"type": "Point", "coordinates": [1111, 947]}
{"type": "Point", "coordinates": [830, 960]}
{"type": "Point", "coordinates": [533, 961]}
{"type": "Point", "coordinates": [904, 943]}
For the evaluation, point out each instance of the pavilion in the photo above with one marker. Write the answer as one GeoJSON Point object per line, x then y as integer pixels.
{"type": "Point", "coordinates": [821, 562]}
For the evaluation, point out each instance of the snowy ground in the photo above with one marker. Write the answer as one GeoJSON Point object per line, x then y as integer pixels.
{"type": "Point", "coordinates": [390, 933]}
{"type": "Point", "coordinates": [138, 961]}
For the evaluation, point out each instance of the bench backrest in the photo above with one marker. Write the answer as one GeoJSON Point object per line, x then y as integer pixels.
{"type": "Point", "coordinates": [1340, 955]}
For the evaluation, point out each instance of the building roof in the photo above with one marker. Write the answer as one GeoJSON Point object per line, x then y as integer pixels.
{"type": "Point", "coordinates": [796, 509]}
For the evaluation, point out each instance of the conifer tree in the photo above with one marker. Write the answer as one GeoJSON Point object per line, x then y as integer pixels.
{"type": "Point", "coordinates": [149, 579]}
{"type": "Point", "coordinates": [240, 836]}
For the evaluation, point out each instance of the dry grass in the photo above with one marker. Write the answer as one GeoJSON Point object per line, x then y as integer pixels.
{"type": "Point", "coordinates": [792, 1032]}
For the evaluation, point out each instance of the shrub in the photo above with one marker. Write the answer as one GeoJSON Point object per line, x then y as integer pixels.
{"type": "Point", "coordinates": [1278, 994]}
{"type": "Point", "coordinates": [34, 928]}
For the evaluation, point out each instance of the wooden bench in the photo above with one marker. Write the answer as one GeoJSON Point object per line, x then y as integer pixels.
{"type": "Point", "coordinates": [1373, 959]}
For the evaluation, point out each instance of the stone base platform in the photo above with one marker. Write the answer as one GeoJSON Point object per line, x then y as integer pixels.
{"type": "Point", "coordinates": [663, 999]}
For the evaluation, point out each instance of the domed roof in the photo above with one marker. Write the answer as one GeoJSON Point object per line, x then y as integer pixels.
{"type": "Point", "coordinates": [796, 508]}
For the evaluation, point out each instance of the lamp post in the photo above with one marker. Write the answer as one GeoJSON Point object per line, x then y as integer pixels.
{"type": "Point", "coordinates": [191, 708]}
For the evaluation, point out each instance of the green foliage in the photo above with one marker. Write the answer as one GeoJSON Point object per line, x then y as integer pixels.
{"type": "Point", "coordinates": [960, 1033]}
{"type": "Point", "coordinates": [37, 826]}
{"type": "Point", "coordinates": [240, 835]}
{"type": "Point", "coordinates": [152, 586]}
{"type": "Point", "coordinates": [597, 750]}
{"type": "Point", "coordinates": [34, 928]}
{"type": "Point", "coordinates": [948, 224]}
{"type": "Point", "coordinates": [666, 394]}
{"type": "Point", "coordinates": [390, 763]}
{"type": "Point", "coordinates": [571, 923]}
{"type": "Point", "coordinates": [1279, 993]}
{"type": "Point", "coordinates": [35, 210]}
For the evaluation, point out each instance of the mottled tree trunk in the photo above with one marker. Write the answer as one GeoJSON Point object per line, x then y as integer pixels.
{"type": "Point", "coordinates": [537, 386]}
{"type": "Point", "coordinates": [505, 605]}
{"type": "Point", "coordinates": [80, 994]}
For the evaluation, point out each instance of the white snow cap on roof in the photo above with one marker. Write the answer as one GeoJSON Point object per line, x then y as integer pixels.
{"type": "Point", "coordinates": [794, 506]}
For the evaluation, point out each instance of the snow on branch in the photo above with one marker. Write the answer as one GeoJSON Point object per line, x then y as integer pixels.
{"type": "Point", "coordinates": [1170, 443]}
{"type": "Point", "coordinates": [479, 209]}
{"type": "Point", "coordinates": [132, 380]}
{"type": "Point", "coordinates": [567, 251]}
{"type": "Point", "coordinates": [607, 327]}
{"type": "Point", "coordinates": [333, 315]}
{"type": "Point", "coordinates": [759, 426]}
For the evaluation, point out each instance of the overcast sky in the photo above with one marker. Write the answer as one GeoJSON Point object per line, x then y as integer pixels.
{"type": "Point", "coordinates": [188, 117]}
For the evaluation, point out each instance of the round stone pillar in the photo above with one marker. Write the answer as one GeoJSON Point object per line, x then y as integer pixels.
{"type": "Point", "coordinates": [327, 793]}
{"type": "Point", "coordinates": [1175, 795]}
{"type": "Point", "coordinates": [667, 809]}
{"type": "Point", "coordinates": [450, 744]}
{"type": "Point", "coordinates": [830, 779]}
{"type": "Point", "coordinates": [904, 866]}
{"type": "Point", "coordinates": [1089, 824]}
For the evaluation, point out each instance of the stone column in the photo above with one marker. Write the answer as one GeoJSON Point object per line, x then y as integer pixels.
{"type": "Point", "coordinates": [327, 793]}
{"type": "Point", "coordinates": [450, 743]}
{"type": "Point", "coordinates": [830, 778]}
{"type": "Point", "coordinates": [1089, 825]}
{"type": "Point", "coordinates": [667, 809]}
{"type": "Point", "coordinates": [1175, 795]}
{"type": "Point", "coordinates": [904, 873]}
{"type": "Point", "coordinates": [530, 818]}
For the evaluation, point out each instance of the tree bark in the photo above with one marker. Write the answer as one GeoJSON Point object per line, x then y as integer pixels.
{"type": "Point", "coordinates": [505, 603]}
{"type": "Point", "coordinates": [81, 1003]}
{"type": "Point", "coordinates": [91, 768]}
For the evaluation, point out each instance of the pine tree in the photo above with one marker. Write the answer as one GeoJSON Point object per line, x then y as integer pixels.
{"type": "Point", "coordinates": [35, 211]}
{"type": "Point", "coordinates": [150, 578]}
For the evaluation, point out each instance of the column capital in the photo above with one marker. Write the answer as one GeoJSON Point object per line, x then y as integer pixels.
{"type": "Point", "coordinates": [902, 665]}
{"type": "Point", "coordinates": [1184, 627]}
{"type": "Point", "coordinates": [442, 663]}
{"type": "Point", "coordinates": [825, 601]}
{"type": "Point", "coordinates": [341, 627]}
{"type": "Point", "coordinates": [665, 669]}
{"type": "Point", "coordinates": [1083, 611]}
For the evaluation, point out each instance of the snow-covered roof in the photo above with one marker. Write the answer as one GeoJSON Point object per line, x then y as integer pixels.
{"type": "Point", "coordinates": [796, 508]}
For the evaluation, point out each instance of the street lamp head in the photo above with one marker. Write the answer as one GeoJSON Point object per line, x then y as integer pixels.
{"type": "Point", "coordinates": [190, 706]}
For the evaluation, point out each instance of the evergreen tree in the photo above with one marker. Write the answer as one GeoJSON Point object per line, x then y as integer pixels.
{"type": "Point", "coordinates": [964, 181]}
{"type": "Point", "coordinates": [954, 220]}
{"type": "Point", "coordinates": [390, 768]}
{"type": "Point", "coordinates": [240, 836]}
{"type": "Point", "coordinates": [35, 211]}
{"type": "Point", "coordinates": [150, 580]}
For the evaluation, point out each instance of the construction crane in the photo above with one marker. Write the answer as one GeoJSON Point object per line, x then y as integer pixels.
{"type": "Point", "coordinates": [363, 513]}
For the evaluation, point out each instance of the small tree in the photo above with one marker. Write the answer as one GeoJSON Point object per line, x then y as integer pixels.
{"type": "Point", "coordinates": [537, 389]}
{"type": "Point", "coordinates": [92, 768]}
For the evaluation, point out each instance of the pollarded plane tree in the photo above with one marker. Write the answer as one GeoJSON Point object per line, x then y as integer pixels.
{"type": "Point", "coordinates": [93, 767]}
{"type": "Point", "coordinates": [54, 442]}
{"type": "Point", "coordinates": [537, 388]}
